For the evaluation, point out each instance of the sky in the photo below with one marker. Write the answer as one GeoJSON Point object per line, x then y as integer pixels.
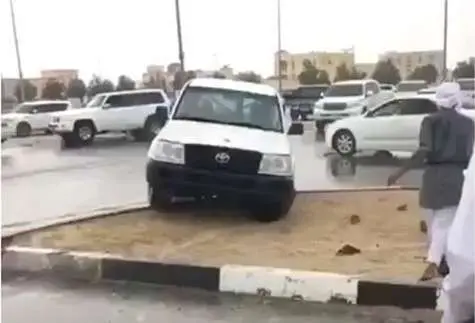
{"type": "Point", "coordinates": [110, 38]}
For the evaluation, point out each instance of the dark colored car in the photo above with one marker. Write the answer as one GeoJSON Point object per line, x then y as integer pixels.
{"type": "Point", "coordinates": [302, 100]}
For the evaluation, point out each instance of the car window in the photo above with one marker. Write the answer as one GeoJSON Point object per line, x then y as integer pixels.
{"type": "Point", "coordinates": [56, 107]}
{"type": "Point", "coordinates": [41, 108]}
{"type": "Point", "coordinates": [120, 100]}
{"type": "Point", "coordinates": [417, 106]}
{"type": "Point", "coordinates": [410, 86]}
{"type": "Point", "coordinates": [388, 109]}
{"type": "Point", "coordinates": [148, 98]}
{"type": "Point", "coordinates": [229, 107]}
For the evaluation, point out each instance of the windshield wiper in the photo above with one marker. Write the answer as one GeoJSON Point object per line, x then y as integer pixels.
{"type": "Point", "coordinates": [192, 118]}
{"type": "Point", "coordinates": [248, 125]}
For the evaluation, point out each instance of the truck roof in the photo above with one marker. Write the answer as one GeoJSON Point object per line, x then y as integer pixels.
{"type": "Point", "coordinates": [233, 85]}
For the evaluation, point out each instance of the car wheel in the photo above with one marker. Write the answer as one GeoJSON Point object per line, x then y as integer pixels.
{"type": "Point", "coordinates": [84, 132]}
{"type": "Point", "coordinates": [158, 200]}
{"type": "Point", "coordinates": [23, 130]}
{"type": "Point", "coordinates": [344, 143]}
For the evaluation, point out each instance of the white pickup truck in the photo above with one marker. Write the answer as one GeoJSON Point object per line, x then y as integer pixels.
{"type": "Point", "coordinates": [140, 112]}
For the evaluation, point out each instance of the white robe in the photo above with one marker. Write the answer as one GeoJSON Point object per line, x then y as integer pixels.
{"type": "Point", "coordinates": [458, 286]}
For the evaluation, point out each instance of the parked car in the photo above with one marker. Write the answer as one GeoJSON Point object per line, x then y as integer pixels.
{"type": "Point", "coordinates": [33, 116]}
{"type": "Point", "coordinates": [348, 98]}
{"type": "Point", "coordinates": [410, 86]}
{"type": "Point", "coordinates": [387, 87]}
{"type": "Point", "coordinates": [207, 150]}
{"type": "Point", "coordinates": [302, 100]}
{"type": "Point", "coordinates": [140, 112]}
{"type": "Point", "coordinates": [467, 85]}
{"type": "Point", "coordinates": [392, 126]}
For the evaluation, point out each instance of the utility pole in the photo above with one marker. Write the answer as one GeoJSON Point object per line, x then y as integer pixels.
{"type": "Point", "coordinates": [279, 47]}
{"type": "Point", "coordinates": [446, 18]}
{"type": "Point", "coordinates": [17, 48]}
{"type": "Point", "coordinates": [181, 54]}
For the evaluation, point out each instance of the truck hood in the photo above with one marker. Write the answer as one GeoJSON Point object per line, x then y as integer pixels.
{"type": "Point", "coordinates": [192, 132]}
{"type": "Point", "coordinates": [342, 99]}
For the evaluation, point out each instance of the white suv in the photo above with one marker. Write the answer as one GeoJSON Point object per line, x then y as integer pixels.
{"type": "Point", "coordinates": [225, 139]}
{"type": "Point", "coordinates": [348, 98]}
{"type": "Point", "coordinates": [140, 112]}
{"type": "Point", "coordinates": [32, 116]}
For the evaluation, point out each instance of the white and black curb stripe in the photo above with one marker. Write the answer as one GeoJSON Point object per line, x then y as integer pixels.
{"type": "Point", "coordinates": [263, 281]}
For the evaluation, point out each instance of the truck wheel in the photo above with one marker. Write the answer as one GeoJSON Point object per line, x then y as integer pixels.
{"type": "Point", "coordinates": [84, 132]}
{"type": "Point", "coordinates": [23, 130]}
{"type": "Point", "coordinates": [152, 127]}
{"type": "Point", "coordinates": [267, 212]}
{"type": "Point", "coordinates": [158, 200]}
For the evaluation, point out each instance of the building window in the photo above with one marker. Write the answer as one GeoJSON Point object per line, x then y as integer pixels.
{"type": "Point", "coordinates": [293, 65]}
{"type": "Point", "coordinates": [329, 62]}
{"type": "Point", "coordinates": [283, 66]}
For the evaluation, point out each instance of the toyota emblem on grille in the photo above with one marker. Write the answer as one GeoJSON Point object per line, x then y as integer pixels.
{"type": "Point", "coordinates": [222, 158]}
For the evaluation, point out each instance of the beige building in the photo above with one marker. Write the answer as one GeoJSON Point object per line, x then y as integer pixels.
{"type": "Point", "coordinates": [406, 62]}
{"type": "Point", "coordinates": [292, 64]}
{"type": "Point", "coordinates": [63, 75]}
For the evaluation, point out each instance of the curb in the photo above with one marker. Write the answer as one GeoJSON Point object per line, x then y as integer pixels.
{"type": "Point", "coordinates": [8, 231]}
{"type": "Point", "coordinates": [304, 286]}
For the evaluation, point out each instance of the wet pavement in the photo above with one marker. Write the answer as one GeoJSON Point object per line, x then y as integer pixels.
{"type": "Point", "coordinates": [48, 301]}
{"type": "Point", "coordinates": [41, 180]}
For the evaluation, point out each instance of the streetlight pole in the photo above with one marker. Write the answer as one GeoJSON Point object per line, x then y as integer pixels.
{"type": "Point", "coordinates": [446, 18]}
{"type": "Point", "coordinates": [279, 47]}
{"type": "Point", "coordinates": [181, 54]}
{"type": "Point", "coordinates": [17, 48]}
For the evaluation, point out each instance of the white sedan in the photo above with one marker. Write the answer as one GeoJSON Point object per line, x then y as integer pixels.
{"type": "Point", "coordinates": [391, 126]}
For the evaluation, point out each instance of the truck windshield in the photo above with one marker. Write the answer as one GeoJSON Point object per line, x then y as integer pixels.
{"type": "Point", "coordinates": [96, 101]}
{"type": "Point", "coordinates": [344, 90]}
{"type": "Point", "coordinates": [309, 92]}
{"type": "Point", "coordinates": [410, 86]}
{"type": "Point", "coordinates": [230, 107]}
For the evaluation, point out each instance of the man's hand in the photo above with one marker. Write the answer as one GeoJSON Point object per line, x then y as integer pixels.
{"type": "Point", "coordinates": [392, 179]}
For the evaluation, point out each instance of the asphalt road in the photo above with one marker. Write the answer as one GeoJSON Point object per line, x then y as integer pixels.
{"type": "Point", "coordinates": [25, 300]}
{"type": "Point", "coordinates": [40, 180]}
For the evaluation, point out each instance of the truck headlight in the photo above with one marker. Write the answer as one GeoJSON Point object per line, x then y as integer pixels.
{"type": "Point", "coordinates": [167, 151]}
{"type": "Point", "coordinates": [279, 165]}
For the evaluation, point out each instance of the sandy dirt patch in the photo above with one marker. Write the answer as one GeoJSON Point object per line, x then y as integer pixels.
{"type": "Point", "coordinates": [384, 225]}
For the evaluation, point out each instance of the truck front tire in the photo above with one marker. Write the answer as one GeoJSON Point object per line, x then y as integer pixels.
{"type": "Point", "coordinates": [84, 132]}
{"type": "Point", "coordinates": [267, 211]}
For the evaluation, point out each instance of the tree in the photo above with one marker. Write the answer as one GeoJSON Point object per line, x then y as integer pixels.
{"type": "Point", "coordinates": [249, 77]}
{"type": "Point", "coordinates": [53, 90]}
{"type": "Point", "coordinates": [464, 69]}
{"type": "Point", "coordinates": [218, 75]}
{"type": "Point", "coordinates": [76, 89]}
{"type": "Point", "coordinates": [427, 73]}
{"type": "Point", "coordinates": [386, 72]}
{"type": "Point", "coordinates": [98, 85]}
{"type": "Point", "coordinates": [312, 75]}
{"type": "Point", "coordinates": [125, 83]}
{"type": "Point", "coordinates": [342, 73]}
{"type": "Point", "coordinates": [357, 75]}
{"type": "Point", "coordinates": [155, 83]}
{"type": "Point", "coordinates": [30, 91]}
